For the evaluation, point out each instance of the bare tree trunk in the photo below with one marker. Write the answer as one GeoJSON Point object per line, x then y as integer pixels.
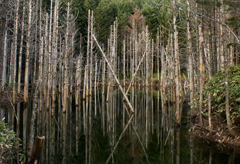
{"type": "Point", "coordinates": [201, 73]}
{"type": "Point", "coordinates": [49, 84]}
{"type": "Point", "coordinates": [114, 75]}
{"type": "Point", "coordinates": [91, 56]}
{"type": "Point", "coordinates": [176, 51]}
{"type": "Point", "coordinates": [152, 63]}
{"type": "Point", "coordinates": [54, 55]}
{"type": "Point", "coordinates": [40, 69]}
{"type": "Point", "coordinates": [214, 43]}
{"type": "Point", "coordinates": [15, 49]}
{"type": "Point", "coordinates": [124, 62]}
{"type": "Point", "coordinates": [32, 125]}
{"type": "Point", "coordinates": [190, 56]}
{"type": "Point", "coordinates": [3, 39]}
{"type": "Point", "coordinates": [88, 42]}
{"type": "Point", "coordinates": [66, 81]}
{"type": "Point", "coordinates": [158, 51]}
{"type": "Point", "coordinates": [78, 72]}
{"type": "Point", "coordinates": [221, 36]}
{"type": "Point", "coordinates": [36, 44]}
{"type": "Point", "coordinates": [114, 47]}
{"type": "Point", "coordinates": [21, 49]}
{"type": "Point", "coordinates": [229, 124]}
{"type": "Point", "coordinates": [26, 78]}
{"type": "Point", "coordinates": [146, 49]}
{"type": "Point", "coordinates": [4, 73]}
{"type": "Point", "coordinates": [231, 50]}
{"type": "Point", "coordinates": [210, 75]}
{"type": "Point", "coordinates": [84, 82]}
{"type": "Point", "coordinates": [46, 61]}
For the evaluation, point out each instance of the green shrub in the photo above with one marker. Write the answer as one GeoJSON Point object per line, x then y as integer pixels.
{"type": "Point", "coordinates": [216, 87]}
{"type": "Point", "coordinates": [8, 143]}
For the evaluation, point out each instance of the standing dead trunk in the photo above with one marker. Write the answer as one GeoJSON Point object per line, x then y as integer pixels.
{"type": "Point", "coordinates": [210, 75]}
{"type": "Point", "coordinates": [37, 150]}
{"type": "Point", "coordinates": [221, 36]}
{"type": "Point", "coordinates": [229, 124]}
{"type": "Point", "coordinates": [45, 62]}
{"type": "Point", "coordinates": [191, 75]}
{"type": "Point", "coordinates": [40, 69]}
{"type": "Point", "coordinates": [15, 49]}
{"type": "Point", "coordinates": [26, 78]}
{"type": "Point", "coordinates": [54, 55]}
{"type": "Point", "coordinates": [3, 39]}
{"type": "Point", "coordinates": [4, 72]}
{"type": "Point", "coordinates": [231, 51]}
{"type": "Point", "coordinates": [78, 72]}
{"type": "Point", "coordinates": [152, 63]}
{"type": "Point", "coordinates": [158, 52]}
{"type": "Point", "coordinates": [49, 84]}
{"type": "Point", "coordinates": [201, 73]}
{"type": "Point", "coordinates": [88, 42]}
{"type": "Point", "coordinates": [32, 125]}
{"type": "Point", "coordinates": [91, 55]}
{"type": "Point", "coordinates": [176, 51]}
{"type": "Point", "coordinates": [21, 49]}
{"type": "Point", "coordinates": [124, 55]}
{"type": "Point", "coordinates": [36, 43]}
{"type": "Point", "coordinates": [66, 81]}
{"type": "Point", "coordinates": [146, 50]}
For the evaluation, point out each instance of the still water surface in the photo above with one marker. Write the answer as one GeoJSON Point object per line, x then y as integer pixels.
{"type": "Point", "coordinates": [89, 132]}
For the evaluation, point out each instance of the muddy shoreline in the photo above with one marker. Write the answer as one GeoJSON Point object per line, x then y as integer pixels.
{"type": "Point", "coordinates": [220, 135]}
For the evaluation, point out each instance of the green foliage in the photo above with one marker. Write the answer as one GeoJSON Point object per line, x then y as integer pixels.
{"type": "Point", "coordinates": [216, 87]}
{"type": "Point", "coordinates": [232, 44]}
{"type": "Point", "coordinates": [156, 16]}
{"type": "Point", "coordinates": [8, 139]}
{"type": "Point", "coordinates": [105, 14]}
{"type": "Point", "coordinates": [233, 21]}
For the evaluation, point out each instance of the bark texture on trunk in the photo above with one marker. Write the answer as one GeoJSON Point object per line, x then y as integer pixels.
{"type": "Point", "coordinates": [176, 52]}
{"type": "Point", "coordinates": [26, 76]}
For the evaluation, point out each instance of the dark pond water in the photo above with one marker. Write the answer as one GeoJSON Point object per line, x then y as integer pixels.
{"type": "Point", "coordinates": [90, 132]}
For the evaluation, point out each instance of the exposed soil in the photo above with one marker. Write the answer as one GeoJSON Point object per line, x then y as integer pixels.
{"type": "Point", "coordinates": [220, 134]}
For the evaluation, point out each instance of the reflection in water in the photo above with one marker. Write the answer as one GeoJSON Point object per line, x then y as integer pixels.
{"type": "Point", "coordinates": [96, 131]}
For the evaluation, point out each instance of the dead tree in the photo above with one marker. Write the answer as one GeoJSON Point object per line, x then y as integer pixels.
{"type": "Point", "coordinates": [66, 80]}
{"type": "Point", "coordinates": [26, 78]}
{"type": "Point", "coordinates": [176, 52]}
